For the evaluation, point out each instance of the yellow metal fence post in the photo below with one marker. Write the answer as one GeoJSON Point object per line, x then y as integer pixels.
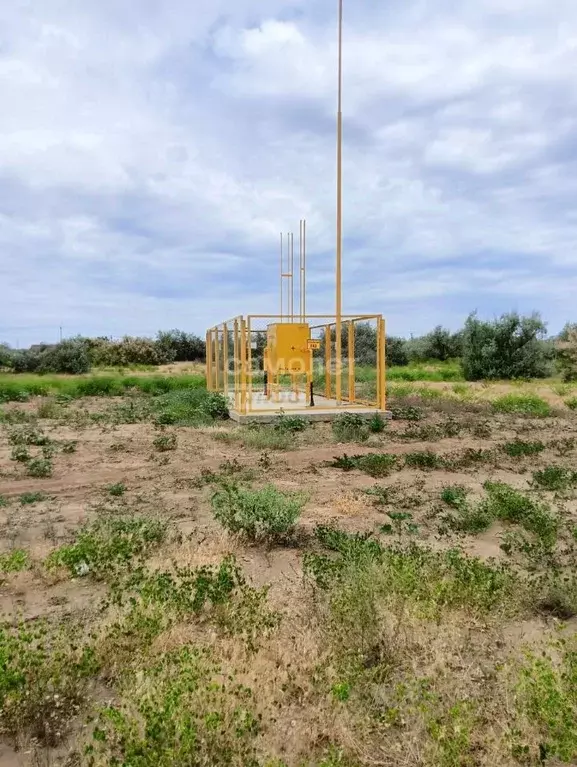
{"type": "Point", "coordinates": [243, 357]}
{"type": "Point", "coordinates": [249, 371]}
{"type": "Point", "coordinates": [328, 362]}
{"type": "Point", "coordinates": [216, 357]}
{"type": "Point", "coordinates": [225, 358]}
{"type": "Point", "coordinates": [383, 402]}
{"type": "Point", "coordinates": [351, 361]}
{"type": "Point", "coordinates": [208, 372]}
{"type": "Point", "coordinates": [237, 371]}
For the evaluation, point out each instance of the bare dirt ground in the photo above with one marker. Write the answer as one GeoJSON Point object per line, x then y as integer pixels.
{"type": "Point", "coordinates": [169, 485]}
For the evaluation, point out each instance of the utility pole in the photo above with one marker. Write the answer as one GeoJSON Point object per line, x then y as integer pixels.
{"type": "Point", "coordinates": [60, 333]}
{"type": "Point", "coordinates": [339, 305]}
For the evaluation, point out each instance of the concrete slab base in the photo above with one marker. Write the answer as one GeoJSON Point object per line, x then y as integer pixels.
{"type": "Point", "coordinates": [263, 410]}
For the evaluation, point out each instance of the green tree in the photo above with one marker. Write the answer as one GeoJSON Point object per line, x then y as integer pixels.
{"type": "Point", "coordinates": [509, 347]}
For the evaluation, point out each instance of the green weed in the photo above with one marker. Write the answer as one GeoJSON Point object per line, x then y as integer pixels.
{"type": "Point", "coordinates": [182, 709]}
{"type": "Point", "coordinates": [407, 413]}
{"type": "Point", "coordinates": [258, 514]}
{"type": "Point", "coordinates": [555, 478]}
{"type": "Point", "coordinates": [424, 460]}
{"type": "Point", "coordinates": [350, 427]}
{"type": "Point", "coordinates": [267, 438]}
{"type": "Point", "coordinates": [164, 443]}
{"type": "Point", "coordinates": [519, 448]}
{"type": "Point", "coordinates": [571, 403]}
{"type": "Point", "coordinates": [109, 543]}
{"type": "Point", "coordinates": [546, 696]}
{"type": "Point", "coordinates": [116, 490]}
{"type": "Point", "coordinates": [13, 562]}
{"type": "Point", "coordinates": [39, 468]}
{"type": "Point", "coordinates": [290, 423]}
{"type": "Point", "coordinates": [522, 404]}
{"type": "Point", "coordinates": [20, 453]}
{"type": "Point", "coordinates": [43, 680]}
{"type": "Point", "coordinates": [33, 497]}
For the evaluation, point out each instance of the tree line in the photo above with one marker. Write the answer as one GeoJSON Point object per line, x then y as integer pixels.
{"type": "Point", "coordinates": [508, 347]}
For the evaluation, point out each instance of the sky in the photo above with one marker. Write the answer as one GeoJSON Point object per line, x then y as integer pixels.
{"type": "Point", "coordinates": [151, 153]}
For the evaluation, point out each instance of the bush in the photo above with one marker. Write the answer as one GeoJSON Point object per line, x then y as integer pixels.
{"type": "Point", "coordinates": [507, 348]}
{"type": "Point", "coordinates": [265, 513]}
{"type": "Point", "coordinates": [350, 427]}
{"type": "Point", "coordinates": [104, 352]}
{"type": "Point", "coordinates": [183, 347]}
{"type": "Point", "coordinates": [566, 348]}
{"type": "Point", "coordinates": [108, 543]}
{"type": "Point", "coordinates": [396, 352]}
{"type": "Point", "coordinates": [70, 356]}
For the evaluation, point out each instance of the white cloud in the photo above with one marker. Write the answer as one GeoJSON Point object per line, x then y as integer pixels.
{"type": "Point", "coordinates": [150, 154]}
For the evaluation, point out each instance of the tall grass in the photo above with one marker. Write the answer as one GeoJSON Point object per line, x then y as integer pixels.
{"type": "Point", "coordinates": [437, 371]}
{"type": "Point", "coordinates": [19, 388]}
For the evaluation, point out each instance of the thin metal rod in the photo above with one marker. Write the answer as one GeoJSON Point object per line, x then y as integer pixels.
{"type": "Point", "coordinates": [281, 282]}
{"type": "Point", "coordinates": [291, 279]}
{"type": "Point", "coordinates": [339, 305]}
{"type": "Point", "coordinates": [304, 269]}
{"type": "Point", "coordinates": [301, 319]}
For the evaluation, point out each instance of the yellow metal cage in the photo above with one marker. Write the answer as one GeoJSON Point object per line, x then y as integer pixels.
{"type": "Point", "coordinates": [262, 363]}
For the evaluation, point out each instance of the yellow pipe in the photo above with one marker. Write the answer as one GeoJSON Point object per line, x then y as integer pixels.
{"type": "Point", "coordinates": [339, 305]}
{"type": "Point", "coordinates": [225, 358]}
{"type": "Point", "coordinates": [351, 361]}
{"type": "Point", "coordinates": [243, 366]}
{"type": "Point", "coordinates": [328, 356]}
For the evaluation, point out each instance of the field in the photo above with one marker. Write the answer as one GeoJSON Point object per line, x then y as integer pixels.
{"type": "Point", "coordinates": [177, 590]}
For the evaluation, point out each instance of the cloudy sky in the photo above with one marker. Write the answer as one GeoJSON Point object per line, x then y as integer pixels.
{"type": "Point", "coordinates": [151, 152]}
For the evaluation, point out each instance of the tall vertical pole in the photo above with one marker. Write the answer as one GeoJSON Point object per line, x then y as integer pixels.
{"type": "Point", "coordinates": [301, 317]}
{"type": "Point", "coordinates": [304, 270]}
{"type": "Point", "coordinates": [281, 279]}
{"type": "Point", "coordinates": [339, 305]}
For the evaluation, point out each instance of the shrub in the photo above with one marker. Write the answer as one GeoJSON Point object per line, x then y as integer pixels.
{"type": "Point", "coordinates": [424, 459]}
{"type": "Point", "coordinates": [116, 490]}
{"type": "Point", "coordinates": [191, 407]}
{"type": "Point", "coordinates": [70, 356]}
{"type": "Point", "coordinates": [165, 442]}
{"type": "Point", "coordinates": [20, 453]}
{"type": "Point", "coordinates": [181, 709]}
{"type": "Point", "coordinates": [108, 543]}
{"type": "Point", "coordinates": [290, 423]}
{"type": "Point", "coordinates": [13, 562]}
{"type": "Point", "coordinates": [43, 680]}
{"type": "Point", "coordinates": [509, 347]}
{"type": "Point", "coordinates": [377, 424]}
{"type": "Point", "coordinates": [521, 448]}
{"type": "Point", "coordinates": [40, 468]}
{"type": "Point", "coordinates": [350, 427]}
{"type": "Point", "coordinates": [555, 478]}
{"type": "Point", "coordinates": [181, 346]}
{"type": "Point", "coordinates": [566, 348]}
{"type": "Point", "coordinates": [509, 505]}
{"type": "Point", "coordinates": [396, 352]}
{"type": "Point", "coordinates": [571, 403]}
{"type": "Point", "coordinates": [522, 404]}
{"type": "Point", "coordinates": [105, 352]}
{"type": "Point", "coordinates": [265, 513]}
{"type": "Point", "coordinates": [27, 499]}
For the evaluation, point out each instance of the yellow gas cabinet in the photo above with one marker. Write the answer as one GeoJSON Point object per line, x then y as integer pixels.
{"type": "Point", "coordinates": [289, 351]}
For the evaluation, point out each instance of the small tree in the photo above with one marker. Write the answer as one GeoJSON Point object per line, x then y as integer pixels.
{"type": "Point", "coordinates": [185, 347]}
{"type": "Point", "coordinates": [566, 348]}
{"type": "Point", "coordinates": [509, 347]}
{"type": "Point", "coordinates": [396, 351]}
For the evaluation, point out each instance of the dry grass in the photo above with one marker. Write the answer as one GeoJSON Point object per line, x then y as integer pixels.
{"type": "Point", "coordinates": [375, 668]}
